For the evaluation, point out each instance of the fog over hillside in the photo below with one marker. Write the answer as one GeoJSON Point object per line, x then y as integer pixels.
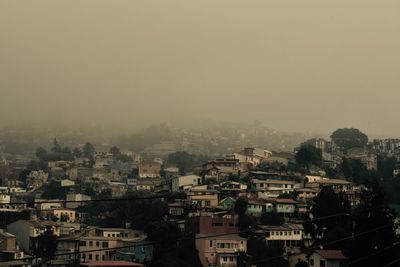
{"type": "Point", "coordinates": [306, 66]}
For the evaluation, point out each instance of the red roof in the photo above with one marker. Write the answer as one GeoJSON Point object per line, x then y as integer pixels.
{"type": "Point", "coordinates": [110, 263]}
{"type": "Point", "coordinates": [331, 254]}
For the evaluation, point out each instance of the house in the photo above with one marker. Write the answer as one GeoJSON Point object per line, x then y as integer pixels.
{"type": "Point", "coordinates": [5, 198]}
{"type": "Point", "coordinates": [273, 186]}
{"type": "Point", "coordinates": [67, 183]}
{"type": "Point", "coordinates": [28, 231]}
{"type": "Point", "coordinates": [102, 244]}
{"type": "Point", "coordinates": [232, 188]}
{"type": "Point", "coordinates": [149, 169]}
{"type": "Point", "coordinates": [327, 258]}
{"type": "Point", "coordinates": [212, 224]}
{"type": "Point", "coordinates": [139, 252]}
{"type": "Point", "coordinates": [289, 235]}
{"type": "Point", "coordinates": [73, 200]}
{"type": "Point", "coordinates": [61, 214]}
{"type": "Point", "coordinates": [337, 184]}
{"type": "Point", "coordinates": [285, 205]}
{"type": "Point", "coordinates": [255, 207]}
{"type": "Point", "coordinates": [36, 179]}
{"type": "Point", "coordinates": [220, 250]}
{"type": "Point", "coordinates": [220, 168]}
{"type": "Point", "coordinates": [203, 198]}
{"type": "Point", "coordinates": [182, 183]}
{"type": "Point", "coordinates": [305, 194]}
{"type": "Point", "coordinates": [8, 247]}
{"type": "Point", "coordinates": [42, 204]}
{"type": "Point", "coordinates": [179, 209]}
{"type": "Point", "coordinates": [228, 203]}
{"type": "Point", "coordinates": [253, 156]}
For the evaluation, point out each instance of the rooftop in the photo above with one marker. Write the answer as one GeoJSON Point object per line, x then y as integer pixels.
{"type": "Point", "coordinates": [331, 254]}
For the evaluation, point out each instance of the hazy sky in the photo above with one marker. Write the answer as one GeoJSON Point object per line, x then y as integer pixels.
{"type": "Point", "coordinates": [309, 65]}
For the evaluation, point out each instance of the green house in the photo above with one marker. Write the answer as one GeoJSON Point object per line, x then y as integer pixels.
{"type": "Point", "coordinates": [228, 203]}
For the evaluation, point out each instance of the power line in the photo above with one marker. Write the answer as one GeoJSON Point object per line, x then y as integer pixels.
{"type": "Point", "coordinates": [373, 254]}
{"type": "Point", "coordinates": [325, 244]}
{"type": "Point", "coordinates": [95, 200]}
{"type": "Point", "coordinates": [130, 246]}
{"type": "Point", "coordinates": [392, 262]}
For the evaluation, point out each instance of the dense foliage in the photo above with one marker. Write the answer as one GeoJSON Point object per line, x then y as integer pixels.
{"type": "Point", "coordinates": [347, 138]}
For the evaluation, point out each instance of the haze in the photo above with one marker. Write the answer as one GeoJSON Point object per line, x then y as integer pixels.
{"type": "Point", "coordinates": [293, 65]}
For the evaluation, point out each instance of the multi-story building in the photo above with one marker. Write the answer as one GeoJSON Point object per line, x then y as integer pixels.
{"type": "Point", "coordinates": [60, 214]}
{"type": "Point", "coordinates": [149, 169]}
{"type": "Point", "coordinates": [104, 244]}
{"type": "Point", "coordinates": [212, 224]}
{"type": "Point", "coordinates": [273, 186]}
{"type": "Point", "coordinates": [28, 231]}
{"type": "Point", "coordinates": [182, 183]}
{"type": "Point", "coordinates": [203, 198]}
{"type": "Point", "coordinates": [220, 251]}
{"type": "Point", "coordinates": [73, 200]}
{"type": "Point", "coordinates": [289, 235]}
{"type": "Point", "coordinates": [327, 258]}
{"type": "Point", "coordinates": [9, 249]}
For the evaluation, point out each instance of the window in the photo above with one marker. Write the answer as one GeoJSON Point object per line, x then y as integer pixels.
{"type": "Point", "coordinates": [225, 259]}
{"type": "Point", "coordinates": [97, 257]}
{"type": "Point", "coordinates": [90, 243]}
{"type": "Point", "coordinates": [90, 257]}
{"type": "Point", "coordinates": [322, 263]}
{"type": "Point", "coordinates": [97, 244]}
{"type": "Point", "coordinates": [82, 243]}
{"type": "Point", "coordinates": [105, 245]}
{"type": "Point", "coordinates": [211, 243]}
{"type": "Point", "coordinates": [103, 257]}
{"type": "Point", "coordinates": [311, 262]}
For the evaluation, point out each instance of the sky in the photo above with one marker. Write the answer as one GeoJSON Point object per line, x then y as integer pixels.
{"type": "Point", "coordinates": [308, 65]}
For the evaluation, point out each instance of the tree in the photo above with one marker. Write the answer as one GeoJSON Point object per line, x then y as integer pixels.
{"type": "Point", "coordinates": [46, 245]}
{"type": "Point", "coordinates": [309, 155]}
{"type": "Point", "coordinates": [33, 165]}
{"type": "Point", "coordinates": [240, 206]}
{"type": "Point", "coordinates": [355, 170]}
{"type": "Point", "coordinates": [374, 228]}
{"type": "Point", "coordinates": [56, 146]}
{"type": "Point", "coordinates": [271, 219]}
{"type": "Point", "coordinates": [115, 150]}
{"type": "Point", "coordinates": [185, 161]}
{"type": "Point", "coordinates": [347, 138]}
{"type": "Point", "coordinates": [386, 165]}
{"type": "Point", "coordinates": [332, 218]}
{"type": "Point", "coordinates": [77, 152]}
{"type": "Point", "coordinates": [264, 255]}
{"type": "Point", "coordinates": [41, 152]}
{"type": "Point", "coordinates": [53, 190]}
{"type": "Point", "coordinates": [88, 150]}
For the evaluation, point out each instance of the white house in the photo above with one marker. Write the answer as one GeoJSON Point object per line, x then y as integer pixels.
{"type": "Point", "coordinates": [327, 258]}
{"type": "Point", "coordinates": [182, 182]}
